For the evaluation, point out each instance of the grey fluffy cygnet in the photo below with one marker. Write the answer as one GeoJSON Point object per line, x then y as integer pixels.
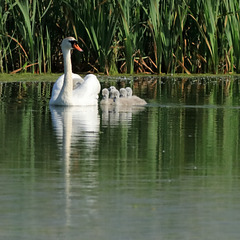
{"type": "Point", "coordinates": [134, 100]}
{"type": "Point", "coordinates": [119, 101]}
{"type": "Point", "coordinates": [105, 100]}
{"type": "Point", "coordinates": [129, 91]}
{"type": "Point", "coordinates": [123, 92]}
{"type": "Point", "coordinates": [116, 97]}
{"type": "Point", "coordinates": [127, 101]}
{"type": "Point", "coordinates": [112, 96]}
{"type": "Point", "coordinates": [111, 89]}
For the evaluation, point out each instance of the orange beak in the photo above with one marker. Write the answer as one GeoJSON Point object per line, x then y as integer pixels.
{"type": "Point", "coordinates": [75, 46]}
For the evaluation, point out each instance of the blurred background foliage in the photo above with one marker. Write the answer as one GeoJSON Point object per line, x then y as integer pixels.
{"type": "Point", "coordinates": [120, 36]}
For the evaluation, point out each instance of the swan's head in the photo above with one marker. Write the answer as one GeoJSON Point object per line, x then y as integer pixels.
{"type": "Point", "coordinates": [129, 91]}
{"type": "Point", "coordinates": [70, 43]}
{"type": "Point", "coordinates": [123, 92]}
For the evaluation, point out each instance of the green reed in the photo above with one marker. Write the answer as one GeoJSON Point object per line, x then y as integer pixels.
{"type": "Point", "coordinates": [97, 32]}
{"type": "Point", "coordinates": [160, 36]}
{"type": "Point", "coordinates": [232, 31]}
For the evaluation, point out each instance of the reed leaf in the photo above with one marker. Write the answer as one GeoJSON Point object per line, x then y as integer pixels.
{"type": "Point", "coordinates": [171, 36]}
{"type": "Point", "coordinates": [99, 29]}
{"type": "Point", "coordinates": [127, 34]}
{"type": "Point", "coordinates": [28, 25]}
{"type": "Point", "coordinates": [155, 25]}
{"type": "Point", "coordinates": [232, 30]}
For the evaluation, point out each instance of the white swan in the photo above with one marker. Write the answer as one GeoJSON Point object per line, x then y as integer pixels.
{"type": "Point", "coordinates": [71, 89]}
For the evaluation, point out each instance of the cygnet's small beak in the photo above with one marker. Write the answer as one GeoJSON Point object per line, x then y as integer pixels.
{"type": "Point", "coordinates": [75, 46]}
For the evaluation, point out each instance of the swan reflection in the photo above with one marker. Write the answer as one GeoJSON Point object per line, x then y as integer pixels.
{"type": "Point", "coordinates": [77, 131]}
{"type": "Point", "coordinates": [76, 123]}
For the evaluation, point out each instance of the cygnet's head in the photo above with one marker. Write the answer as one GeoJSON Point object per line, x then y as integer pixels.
{"type": "Point", "coordinates": [111, 89]}
{"type": "Point", "coordinates": [123, 92]}
{"type": "Point", "coordinates": [129, 91]}
{"type": "Point", "coordinates": [115, 94]}
{"type": "Point", "coordinates": [105, 93]}
{"type": "Point", "coordinates": [70, 43]}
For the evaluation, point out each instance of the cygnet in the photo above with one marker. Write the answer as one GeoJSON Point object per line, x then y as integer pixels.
{"type": "Point", "coordinates": [129, 91]}
{"type": "Point", "coordinates": [105, 100]}
{"type": "Point", "coordinates": [111, 89]}
{"type": "Point", "coordinates": [123, 93]}
{"type": "Point", "coordinates": [133, 99]}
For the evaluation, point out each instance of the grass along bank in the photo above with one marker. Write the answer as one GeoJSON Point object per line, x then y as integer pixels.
{"type": "Point", "coordinates": [119, 36]}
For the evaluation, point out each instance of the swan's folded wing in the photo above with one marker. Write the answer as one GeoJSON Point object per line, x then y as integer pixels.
{"type": "Point", "coordinates": [77, 80]}
{"type": "Point", "coordinates": [87, 92]}
{"type": "Point", "coordinates": [57, 88]}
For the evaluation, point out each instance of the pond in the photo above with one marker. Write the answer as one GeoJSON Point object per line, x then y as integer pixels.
{"type": "Point", "coordinates": [170, 170]}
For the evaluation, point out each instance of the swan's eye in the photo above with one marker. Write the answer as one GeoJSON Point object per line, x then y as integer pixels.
{"type": "Point", "coordinates": [73, 42]}
{"type": "Point", "coordinates": [75, 45]}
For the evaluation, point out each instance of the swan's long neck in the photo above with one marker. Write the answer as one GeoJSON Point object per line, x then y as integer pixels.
{"type": "Point", "coordinates": [65, 96]}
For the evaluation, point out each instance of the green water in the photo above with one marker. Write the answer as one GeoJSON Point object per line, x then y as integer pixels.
{"type": "Point", "coordinates": [169, 170]}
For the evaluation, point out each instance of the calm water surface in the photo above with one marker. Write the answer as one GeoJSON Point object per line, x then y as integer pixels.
{"type": "Point", "coordinates": [170, 170]}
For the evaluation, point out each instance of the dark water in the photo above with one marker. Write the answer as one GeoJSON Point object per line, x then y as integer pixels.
{"type": "Point", "coordinates": [170, 170]}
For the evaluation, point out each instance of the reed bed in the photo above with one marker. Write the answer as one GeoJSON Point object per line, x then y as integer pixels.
{"type": "Point", "coordinates": [120, 36]}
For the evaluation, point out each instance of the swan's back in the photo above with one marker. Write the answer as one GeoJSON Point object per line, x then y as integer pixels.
{"type": "Point", "coordinates": [87, 92]}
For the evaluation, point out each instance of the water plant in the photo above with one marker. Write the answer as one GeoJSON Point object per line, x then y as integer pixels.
{"type": "Point", "coordinates": [154, 36]}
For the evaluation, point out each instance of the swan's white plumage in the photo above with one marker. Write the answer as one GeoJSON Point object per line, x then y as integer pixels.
{"type": "Point", "coordinates": [71, 89]}
{"type": "Point", "coordinates": [77, 81]}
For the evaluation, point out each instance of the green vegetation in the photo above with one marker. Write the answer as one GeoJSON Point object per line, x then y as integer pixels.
{"type": "Point", "coordinates": [119, 36]}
